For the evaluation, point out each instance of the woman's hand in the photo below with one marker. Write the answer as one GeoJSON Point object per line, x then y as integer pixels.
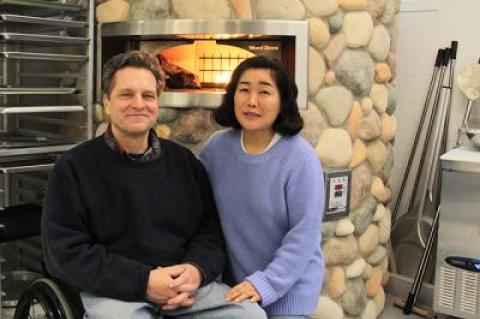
{"type": "Point", "coordinates": [243, 291]}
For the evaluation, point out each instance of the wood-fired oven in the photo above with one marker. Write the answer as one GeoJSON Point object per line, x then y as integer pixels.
{"type": "Point", "coordinates": [200, 55]}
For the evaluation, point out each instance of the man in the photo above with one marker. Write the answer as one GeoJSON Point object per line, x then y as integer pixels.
{"type": "Point", "coordinates": [129, 219]}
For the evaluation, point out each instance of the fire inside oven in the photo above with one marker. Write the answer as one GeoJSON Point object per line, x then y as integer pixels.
{"type": "Point", "coordinates": [205, 64]}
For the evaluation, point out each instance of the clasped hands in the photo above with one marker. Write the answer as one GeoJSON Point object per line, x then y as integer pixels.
{"type": "Point", "coordinates": [174, 286]}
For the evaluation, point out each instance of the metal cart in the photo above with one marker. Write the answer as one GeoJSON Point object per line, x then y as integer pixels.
{"type": "Point", "coordinates": [46, 85]}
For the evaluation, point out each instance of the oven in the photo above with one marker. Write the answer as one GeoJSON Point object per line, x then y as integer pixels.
{"type": "Point", "coordinates": [200, 55]}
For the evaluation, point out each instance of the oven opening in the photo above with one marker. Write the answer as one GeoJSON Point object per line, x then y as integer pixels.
{"type": "Point", "coordinates": [205, 65]}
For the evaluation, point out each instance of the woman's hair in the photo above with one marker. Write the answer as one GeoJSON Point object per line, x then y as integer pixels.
{"type": "Point", "coordinates": [288, 122]}
{"type": "Point", "coordinates": [136, 59]}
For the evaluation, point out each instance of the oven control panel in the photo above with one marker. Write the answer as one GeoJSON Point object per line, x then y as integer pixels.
{"type": "Point", "coordinates": [337, 194]}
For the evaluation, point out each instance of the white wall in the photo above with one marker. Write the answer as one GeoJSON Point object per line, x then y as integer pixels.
{"type": "Point", "coordinates": [420, 34]}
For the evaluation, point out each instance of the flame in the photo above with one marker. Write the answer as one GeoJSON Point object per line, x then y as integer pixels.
{"type": "Point", "coordinates": [223, 77]}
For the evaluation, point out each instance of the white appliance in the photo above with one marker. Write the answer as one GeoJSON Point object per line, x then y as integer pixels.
{"type": "Point", "coordinates": [457, 279]}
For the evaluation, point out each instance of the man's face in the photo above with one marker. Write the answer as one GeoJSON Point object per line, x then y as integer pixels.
{"type": "Point", "coordinates": [133, 102]}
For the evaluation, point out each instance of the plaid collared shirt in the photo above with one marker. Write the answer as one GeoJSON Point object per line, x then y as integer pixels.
{"type": "Point", "coordinates": [152, 153]}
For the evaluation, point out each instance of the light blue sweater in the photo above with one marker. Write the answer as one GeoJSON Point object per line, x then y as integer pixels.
{"type": "Point", "coordinates": [270, 206]}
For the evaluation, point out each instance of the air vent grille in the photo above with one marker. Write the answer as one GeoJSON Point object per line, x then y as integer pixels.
{"type": "Point", "coordinates": [446, 293]}
{"type": "Point", "coordinates": [469, 292]}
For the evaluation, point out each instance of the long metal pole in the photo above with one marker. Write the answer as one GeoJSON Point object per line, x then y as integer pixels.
{"type": "Point", "coordinates": [398, 201]}
{"type": "Point", "coordinates": [417, 282]}
{"type": "Point", "coordinates": [446, 56]}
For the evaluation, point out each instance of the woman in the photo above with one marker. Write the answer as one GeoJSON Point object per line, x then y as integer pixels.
{"type": "Point", "coordinates": [268, 185]}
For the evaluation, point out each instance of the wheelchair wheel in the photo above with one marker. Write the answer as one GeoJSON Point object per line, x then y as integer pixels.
{"type": "Point", "coordinates": [44, 299]}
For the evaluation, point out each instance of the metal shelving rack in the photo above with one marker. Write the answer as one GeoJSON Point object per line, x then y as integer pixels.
{"type": "Point", "coordinates": [46, 94]}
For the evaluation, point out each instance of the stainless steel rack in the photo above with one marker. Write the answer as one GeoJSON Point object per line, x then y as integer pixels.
{"type": "Point", "coordinates": [46, 92]}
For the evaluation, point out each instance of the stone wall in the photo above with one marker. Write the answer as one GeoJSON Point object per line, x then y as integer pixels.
{"type": "Point", "coordinates": [349, 121]}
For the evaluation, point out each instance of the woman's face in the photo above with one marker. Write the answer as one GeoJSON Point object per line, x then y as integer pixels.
{"type": "Point", "coordinates": [256, 100]}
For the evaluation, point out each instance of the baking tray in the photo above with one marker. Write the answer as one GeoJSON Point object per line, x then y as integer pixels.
{"type": "Point", "coordinates": [42, 38]}
{"type": "Point", "coordinates": [44, 21]}
{"type": "Point", "coordinates": [54, 57]}
{"type": "Point", "coordinates": [37, 90]}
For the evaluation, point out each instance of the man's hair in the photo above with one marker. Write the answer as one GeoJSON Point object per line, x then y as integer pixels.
{"type": "Point", "coordinates": [136, 59]}
{"type": "Point", "coordinates": [288, 121]}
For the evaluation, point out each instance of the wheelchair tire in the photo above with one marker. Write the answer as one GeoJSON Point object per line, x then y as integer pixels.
{"type": "Point", "coordinates": [51, 297]}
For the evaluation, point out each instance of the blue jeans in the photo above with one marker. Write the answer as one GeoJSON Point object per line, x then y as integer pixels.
{"type": "Point", "coordinates": [209, 304]}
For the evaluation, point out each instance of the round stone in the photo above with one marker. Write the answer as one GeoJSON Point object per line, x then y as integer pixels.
{"type": "Point", "coordinates": [367, 272]}
{"type": "Point", "coordinates": [392, 99]}
{"type": "Point", "coordinates": [356, 268]}
{"type": "Point", "coordinates": [385, 227]}
{"type": "Point", "coordinates": [328, 230]}
{"type": "Point", "coordinates": [354, 120]}
{"type": "Point", "coordinates": [379, 191]}
{"type": "Point", "coordinates": [319, 33]}
{"type": "Point", "coordinates": [243, 9]}
{"type": "Point", "coordinates": [163, 131]}
{"type": "Point", "coordinates": [377, 256]}
{"type": "Point", "coordinates": [335, 283]}
{"type": "Point", "coordinates": [362, 216]}
{"type": "Point", "coordinates": [167, 114]}
{"type": "Point", "coordinates": [361, 185]}
{"type": "Point", "coordinates": [101, 128]}
{"type": "Point", "coordinates": [379, 300]}
{"type": "Point", "coordinates": [370, 311]}
{"type": "Point", "coordinates": [112, 11]}
{"type": "Point", "coordinates": [313, 124]}
{"type": "Point", "coordinates": [382, 73]}
{"type": "Point", "coordinates": [389, 126]}
{"type": "Point", "coordinates": [376, 8]}
{"type": "Point", "coordinates": [392, 7]}
{"type": "Point", "coordinates": [316, 71]}
{"type": "Point", "coordinates": [279, 9]}
{"type": "Point", "coordinates": [392, 62]}
{"type": "Point", "coordinates": [193, 126]}
{"type": "Point", "coordinates": [376, 155]}
{"type": "Point", "coordinates": [370, 127]}
{"type": "Point", "coordinates": [352, 5]}
{"type": "Point", "coordinates": [98, 114]}
{"type": "Point", "coordinates": [334, 148]}
{"type": "Point", "coordinates": [374, 283]}
{"type": "Point", "coordinates": [321, 8]}
{"type": "Point", "coordinates": [344, 227]}
{"type": "Point", "coordinates": [149, 9]}
{"type": "Point", "coordinates": [327, 309]}
{"type": "Point", "coordinates": [366, 104]}
{"type": "Point", "coordinates": [334, 49]}
{"type": "Point", "coordinates": [368, 241]}
{"type": "Point", "coordinates": [379, 213]}
{"type": "Point", "coordinates": [336, 102]}
{"type": "Point", "coordinates": [354, 300]}
{"type": "Point", "coordinates": [205, 9]}
{"type": "Point", "coordinates": [339, 250]}
{"type": "Point", "coordinates": [336, 21]}
{"type": "Point", "coordinates": [357, 27]}
{"type": "Point", "coordinates": [379, 96]}
{"type": "Point", "coordinates": [329, 78]}
{"type": "Point", "coordinates": [379, 43]}
{"type": "Point", "coordinates": [388, 167]}
{"type": "Point", "coordinates": [359, 153]}
{"type": "Point", "coordinates": [355, 70]}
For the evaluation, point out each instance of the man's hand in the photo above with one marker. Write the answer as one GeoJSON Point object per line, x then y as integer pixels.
{"type": "Point", "coordinates": [185, 284]}
{"type": "Point", "coordinates": [159, 281]}
{"type": "Point", "coordinates": [242, 291]}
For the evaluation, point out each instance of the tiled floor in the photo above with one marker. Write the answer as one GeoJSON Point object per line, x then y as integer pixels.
{"type": "Point", "coordinates": [392, 312]}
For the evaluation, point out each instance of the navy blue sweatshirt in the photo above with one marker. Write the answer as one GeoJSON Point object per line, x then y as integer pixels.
{"type": "Point", "coordinates": [108, 220]}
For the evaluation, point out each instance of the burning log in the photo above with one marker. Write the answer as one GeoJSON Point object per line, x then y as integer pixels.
{"type": "Point", "coordinates": [178, 77]}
